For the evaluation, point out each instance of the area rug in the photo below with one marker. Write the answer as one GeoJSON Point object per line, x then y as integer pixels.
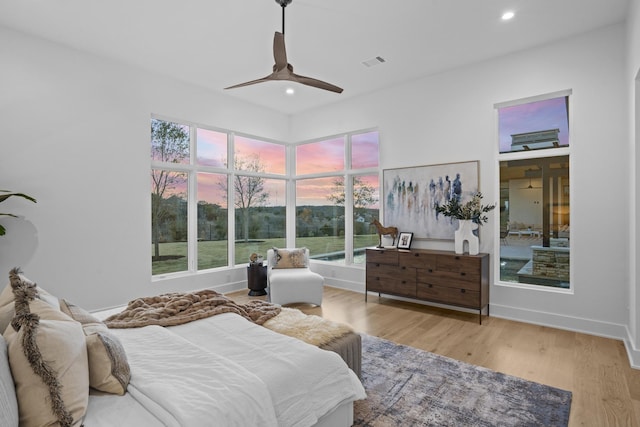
{"type": "Point", "coordinates": [411, 387]}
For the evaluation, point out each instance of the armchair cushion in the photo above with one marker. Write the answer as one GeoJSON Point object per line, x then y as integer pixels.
{"type": "Point", "coordinates": [290, 258]}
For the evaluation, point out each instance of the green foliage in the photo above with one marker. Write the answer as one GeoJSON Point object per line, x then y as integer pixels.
{"type": "Point", "coordinates": [363, 194]}
{"type": "Point", "coordinates": [4, 197]}
{"type": "Point", "coordinates": [473, 209]}
{"type": "Point", "coordinates": [169, 144]}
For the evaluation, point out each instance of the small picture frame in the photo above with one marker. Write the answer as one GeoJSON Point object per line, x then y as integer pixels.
{"type": "Point", "coordinates": [404, 240]}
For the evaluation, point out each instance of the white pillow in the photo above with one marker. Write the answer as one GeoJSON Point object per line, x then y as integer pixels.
{"type": "Point", "coordinates": [59, 347]}
{"type": "Point", "coordinates": [7, 310]}
{"type": "Point", "coordinates": [108, 366]}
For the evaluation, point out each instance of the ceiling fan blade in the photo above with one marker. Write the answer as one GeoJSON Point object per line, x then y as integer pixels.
{"type": "Point", "coordinates": [315, 83]}
{"type": "Point", "coordinates": [279, 51]}
{"type": "Point", "coordinates": [282, 70]}
{"type": "Point", "coordinates": [252, 82]}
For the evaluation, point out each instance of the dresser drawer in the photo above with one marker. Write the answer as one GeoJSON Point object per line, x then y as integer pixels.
{"type": "Point", "coordinates": [458, 264]}
{"type": "Point", "coordinates": [449, 279]}
{"type": "Point", "coordinates": [382, 256]}
{"type": "Point", "coordinates": [417, 259]}
{"type": "Point", "coordinates": [454, 296]}
{"type": "Point", "coordinates": [386, 271]}
{"type": "Point", "coordinates": [406, 288]}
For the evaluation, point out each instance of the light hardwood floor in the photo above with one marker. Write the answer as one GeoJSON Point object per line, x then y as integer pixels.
{"type": "Point", "coordinates": [606, 390]}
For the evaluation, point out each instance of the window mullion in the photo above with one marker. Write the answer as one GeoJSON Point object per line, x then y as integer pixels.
{"type": "Point", "coordinates": [192, 212]}
{"type": "Point", "coordinates": [231, 212]}
{"type": "Point", "coordinates": [348, 202]}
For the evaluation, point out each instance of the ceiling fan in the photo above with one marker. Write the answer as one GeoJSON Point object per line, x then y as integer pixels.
{"type": "Point", "coordinates": [282, 70]}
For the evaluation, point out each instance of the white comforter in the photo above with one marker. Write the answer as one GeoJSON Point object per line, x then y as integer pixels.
{"type": "Point", "coordinates": [304, 381]}
{"type": "Point", "coordinates": [225, 371]}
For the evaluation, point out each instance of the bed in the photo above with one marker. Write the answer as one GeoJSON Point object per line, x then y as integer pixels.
{"type": "Point", "coordinates": [218, 370]}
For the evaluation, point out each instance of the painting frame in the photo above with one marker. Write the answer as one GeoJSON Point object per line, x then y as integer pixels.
{"type": "Point", "coordinates": [404, 240]}
{"type": "Point", "coordinates": [411, 194]}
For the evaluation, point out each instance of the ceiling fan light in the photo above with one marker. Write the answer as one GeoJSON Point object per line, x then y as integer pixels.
{"type": "Point", "coordinates": [289, 91]}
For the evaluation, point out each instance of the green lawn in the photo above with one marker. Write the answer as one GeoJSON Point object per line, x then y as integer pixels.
{"type": "Point", "coordinates": [213, 254]}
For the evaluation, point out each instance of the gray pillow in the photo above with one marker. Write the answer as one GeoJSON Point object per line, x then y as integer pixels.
{"type": "Point", "coordinates": [8, 402]}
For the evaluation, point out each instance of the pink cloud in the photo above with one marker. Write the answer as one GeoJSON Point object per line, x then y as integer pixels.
{"type": "Point", "coordinates": [320, 156]}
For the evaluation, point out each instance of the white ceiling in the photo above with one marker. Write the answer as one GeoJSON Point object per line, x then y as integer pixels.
{"type": "Point", "coordinates": [216, 43]}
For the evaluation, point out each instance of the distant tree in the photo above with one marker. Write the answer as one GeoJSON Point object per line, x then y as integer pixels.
{"type": "Point", "coordinates": [249, 190]}
{"type": "Point", "coordinates": [363, 194]}
{"type": "Point", "coordinates": [169, 144]}
{"type": "Point", "coordinates": [210, 217]}
{"type": "Point", "coordinates": [306, 215]}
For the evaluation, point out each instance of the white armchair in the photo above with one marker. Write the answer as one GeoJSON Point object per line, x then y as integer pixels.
{"type": "Point", "coordinates": [289, 278]}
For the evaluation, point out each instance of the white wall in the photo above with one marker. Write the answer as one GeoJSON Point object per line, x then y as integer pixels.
{"type": "Point", "coordinates": [450, 118]}
{"type": "Point", "coordinates": [632, 80]}
{"type": "Point", "coordinates": [74, 132]}
{"type": "Point", "coordinates": [523, 201]}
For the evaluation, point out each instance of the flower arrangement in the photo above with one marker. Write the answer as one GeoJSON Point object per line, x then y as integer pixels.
{"type": "Point", "coordinates": [473, 209]}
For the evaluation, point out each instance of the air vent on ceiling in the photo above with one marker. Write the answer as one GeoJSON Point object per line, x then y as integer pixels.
{"type": "Point", "coordinates": [374, 61]}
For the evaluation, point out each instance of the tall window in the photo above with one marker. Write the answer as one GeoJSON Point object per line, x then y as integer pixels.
{"type": "Point", "coordinates": [169, 192]}
{"type": "Point", "coordinates": [193, 185]}
{"type": "Point", "coordinates": [337, 196]}
{"type": "Point", "coordinates": [534, 159]}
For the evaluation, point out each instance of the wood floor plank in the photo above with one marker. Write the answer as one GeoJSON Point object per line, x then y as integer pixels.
{"type": "Point", "coordinates": [606, 390]}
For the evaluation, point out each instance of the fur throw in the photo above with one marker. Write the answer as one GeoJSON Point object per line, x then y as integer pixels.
{"type": "Point", "coordinates": [177, 308]}
{"type": "Point", "coordinates": [309, 328]}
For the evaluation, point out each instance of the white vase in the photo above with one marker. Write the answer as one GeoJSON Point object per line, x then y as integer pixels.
{"type": "Point", "coordinates": [465, 233]}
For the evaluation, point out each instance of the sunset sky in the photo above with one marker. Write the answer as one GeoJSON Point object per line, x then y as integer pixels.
{"type": "Point", "coordinates": [311, 158]}
{"type": "Point", "coordinates": [532, 117]}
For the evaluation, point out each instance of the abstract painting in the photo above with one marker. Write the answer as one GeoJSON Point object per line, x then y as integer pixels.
{"type": "Point", "coordinates": [412, 194]}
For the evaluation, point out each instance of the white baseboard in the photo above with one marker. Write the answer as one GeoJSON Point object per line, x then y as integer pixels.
{"type": "Point", "coordinates": [633, 353]}
{"type": "Point", "coordinates": [558, 321]}
{"type": "Point", "coordinates": [230, 287]}
{"type": "Point", "coordinates": [344, 284]}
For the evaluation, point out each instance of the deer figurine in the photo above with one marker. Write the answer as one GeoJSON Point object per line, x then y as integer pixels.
{"type": "Point", "coordinates": [384, 231]}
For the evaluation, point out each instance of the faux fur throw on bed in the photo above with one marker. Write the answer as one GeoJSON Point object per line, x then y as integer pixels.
{"type": "Point", "coordinates": [308, 328]}
{"type": "Point", "coordinates": [177, 308]}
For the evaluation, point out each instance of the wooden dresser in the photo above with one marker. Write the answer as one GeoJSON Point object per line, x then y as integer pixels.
{"type": "Point", "coordinates": [438, 276]}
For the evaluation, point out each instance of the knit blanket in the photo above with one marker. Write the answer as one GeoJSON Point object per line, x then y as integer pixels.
{"type": "Point", "coordinates": [177, 308]}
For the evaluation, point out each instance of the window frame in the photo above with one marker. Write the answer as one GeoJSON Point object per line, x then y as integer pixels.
{"type": "Point", "coordinates": [192, 168]}
{"type": "Point", "coordinates": [348, 173]}
{"type": "Point", "coordinates": [527, 155]}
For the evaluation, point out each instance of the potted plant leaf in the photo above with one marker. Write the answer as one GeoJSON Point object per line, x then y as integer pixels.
{"type": "Point", "coordinates": [4, 195]}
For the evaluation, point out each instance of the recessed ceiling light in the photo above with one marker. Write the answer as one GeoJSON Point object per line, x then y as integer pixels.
{"type": "Point", "coordinates": [290, 91]}
{"type": "Point", "coordinates": [508, 15]}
